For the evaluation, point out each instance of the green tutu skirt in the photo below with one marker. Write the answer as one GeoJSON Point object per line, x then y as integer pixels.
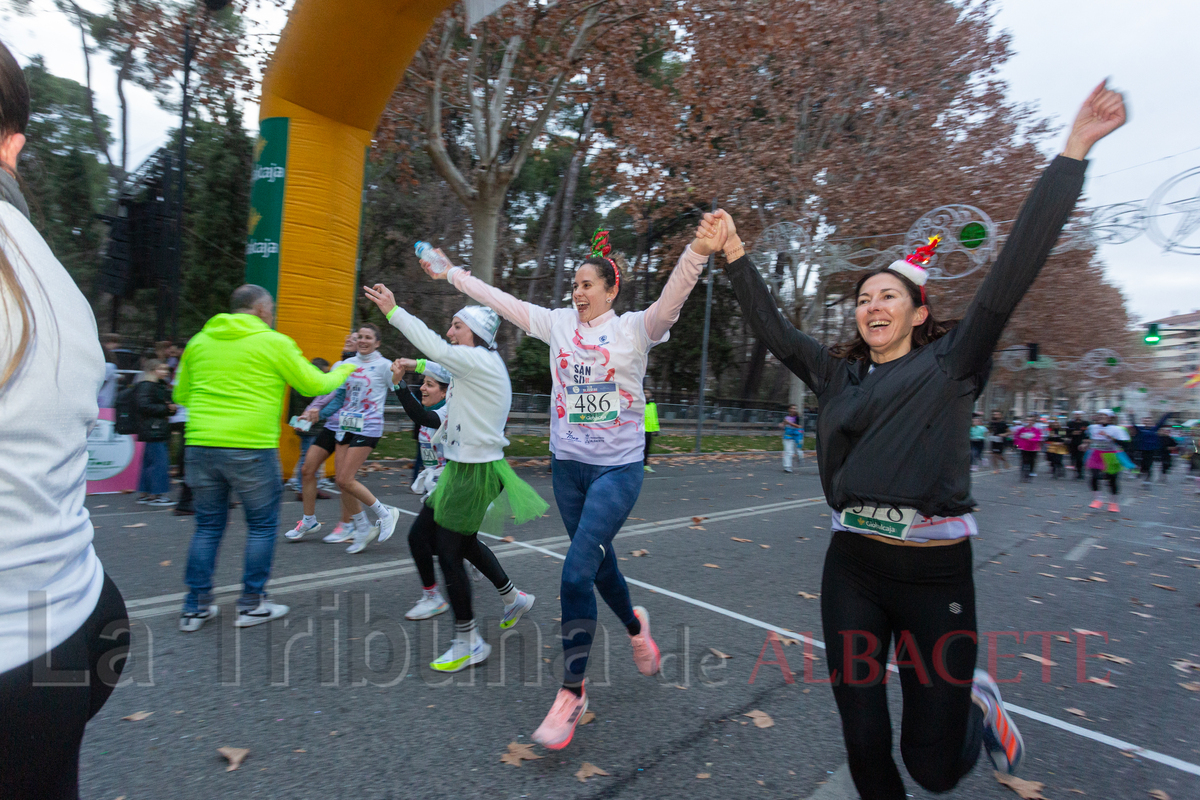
{"type": "Point", "coordinates": [483, 497]}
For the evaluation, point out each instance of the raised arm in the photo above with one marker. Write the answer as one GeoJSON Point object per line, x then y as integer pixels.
{"type": "Point", "coordinates": [664, 312]}
{"type": "Point", "coordinates": [1038, 225]}
{"type": "Point", "coordinates": [518, 312]}
{"type": "Point", "coordinates": [413, 406]}
{"type": "Point", "coordinates": [798, 351]}
{"type": "Point", "coordinates": [299, 373]}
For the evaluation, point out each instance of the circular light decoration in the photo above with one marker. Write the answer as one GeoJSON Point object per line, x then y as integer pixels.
{"type": "Point", "coordinates": [1175, 205]}
{"type": "Point", "coordinates": [789, 240]}
{"type": "Point", "coordinates": [1099, 363]}
{"type": "Point", "coordinates": [967, 233]}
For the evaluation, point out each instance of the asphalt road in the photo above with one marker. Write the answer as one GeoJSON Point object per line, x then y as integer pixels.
{"type": "Point", "coordinates": [324, 718]}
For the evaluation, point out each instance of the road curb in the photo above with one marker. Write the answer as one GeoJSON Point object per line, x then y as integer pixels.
{"type": "Point", "coordinates": [408, 462]}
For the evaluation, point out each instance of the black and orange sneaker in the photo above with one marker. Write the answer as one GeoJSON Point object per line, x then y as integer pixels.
{"type": "Point", "coordinates": [1000, 735]}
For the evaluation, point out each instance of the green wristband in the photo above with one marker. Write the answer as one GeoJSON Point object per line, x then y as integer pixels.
{"type": "Point", "coordinates": [393, 311]}
{"type": "Point", "coordinates": [420, 366]}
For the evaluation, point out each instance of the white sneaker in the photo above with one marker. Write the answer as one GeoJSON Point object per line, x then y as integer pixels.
{"type": "Point", "coordinates": [388, 526]}
{"type": "Point", "coordinates": [162, 501]}
{"type": "Point", "coordinates": [514, 612]}
{"type": "Point", "coordinates": [297, 533]}
{"type": "Point", "coordinates": [342, 532]}
{"type": "Point", "coordinates": [430, 605]}
{"type": "Point", "coordinates": [474, 572]}
{"type": "Point", "coordinates": [327, 485]}
{"type": "Point", "coordinates": [192, 621]}
{"type": "Point", "coordinates": [265, 612]}
{"type": "Point", "coordinates": [293, 485]}
{"type": "Point", "coordinates": [362, 539]}
{"type": "Point", "coordinates": [461, 655]}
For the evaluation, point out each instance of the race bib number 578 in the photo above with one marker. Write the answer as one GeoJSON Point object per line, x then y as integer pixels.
{"type": "Point", "coordinates": [592, 402]}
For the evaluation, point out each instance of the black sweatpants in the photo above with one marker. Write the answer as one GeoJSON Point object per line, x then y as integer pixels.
{"type": "Point", "coordinates": [422, 539]}
{"type": "Point", "coordinates": [43, 709]}
{"type": "Point", "coordinates": [452, 547]}
{"type": "Point", "coordinates": [923, 598]}
{"type": "Point", "coordinates": [1110, 476]}
{"type": "Point", "coordinates": [1028, 463]}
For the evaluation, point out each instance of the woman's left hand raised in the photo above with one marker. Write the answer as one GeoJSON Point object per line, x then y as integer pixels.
{"type": "Point", "coordinates": [381, 296]}
{"type": "Point", "coordinates": [1101, 114]}
{"type": "Point", "coordinates": [710, 235]}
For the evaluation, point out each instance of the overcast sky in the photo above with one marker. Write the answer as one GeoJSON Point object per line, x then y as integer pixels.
{"type": "Point", "coordinates": [1062, 48]}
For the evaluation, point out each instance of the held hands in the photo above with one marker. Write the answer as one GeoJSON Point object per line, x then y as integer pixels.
{"type": "Point", "coordinates": [1102, 113]}
{"type": "Point", "coordinates": [381, 296]}
{"type": "Point", "coordinates": [733, 243]}
{"type": "Point", "coordinates": [401, 367]}
{"type": "Point", "coordinates": [710, 236]}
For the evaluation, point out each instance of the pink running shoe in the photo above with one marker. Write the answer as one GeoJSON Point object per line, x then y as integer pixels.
{"type": "Point", "coordinates": [1113, 507]}
{"type": "Point", "coordinates": [645, 651]}
{"type": "Point", "coordinates": [1096, 504]}
{"type": "Point", "coordinates": [558, 728]}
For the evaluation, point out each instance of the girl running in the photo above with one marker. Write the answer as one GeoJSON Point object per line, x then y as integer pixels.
{"type": "Point", "coordinates": [894, 458]}
{"type": "Point", "coordinates": [358, 430]}
{"type": "Point", "coordinates": [429, 412]}
{"type": "Point", "coordinates": [598, 360]}
{"type": "Point", "coordinates": [476, 474]}
{"type": "Point", "coordinates": [1106, 456]}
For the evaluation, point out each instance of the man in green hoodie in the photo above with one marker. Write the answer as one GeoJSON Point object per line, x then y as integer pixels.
{"type": "Point", "coordinates": [233, 379]}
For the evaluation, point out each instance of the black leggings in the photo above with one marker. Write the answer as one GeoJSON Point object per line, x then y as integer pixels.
{"type": "Point", "coordinates": [923, 598]}
{"type": "Point", "coordinates": [452, 548]}
{"type": "Point", "coordinates": [1112, 480]}
{"type": "Point", "coordinates": [422, 537]}
{"type": "Point", "coordinates": [1028, 462]}
{"type": "Point", "coordinates": [41, 724]}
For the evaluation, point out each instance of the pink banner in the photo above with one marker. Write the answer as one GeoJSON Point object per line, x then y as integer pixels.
{"type": "Point", "coordinates": [114, 460]}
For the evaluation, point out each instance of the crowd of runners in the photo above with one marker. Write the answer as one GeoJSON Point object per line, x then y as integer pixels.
{"type": "Point", "coordinates": [897, 431]}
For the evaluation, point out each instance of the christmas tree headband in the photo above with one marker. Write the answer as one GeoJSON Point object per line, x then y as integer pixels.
{"type": "Point", "coordinates": [601, 248]}
{"type": "Point", "coordinates": [913, 265]}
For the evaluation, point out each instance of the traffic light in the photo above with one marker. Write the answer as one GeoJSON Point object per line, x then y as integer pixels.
{"type": "Point", "coordinates": [1033, 352]}
{"type": "Point", "coordinates": [1152, 336]}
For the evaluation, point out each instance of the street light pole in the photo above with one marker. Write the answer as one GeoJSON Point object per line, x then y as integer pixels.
{"type": "Point", "coordinates": [704, 344]}
{"type": "Point", "coordinates": [177, 267]}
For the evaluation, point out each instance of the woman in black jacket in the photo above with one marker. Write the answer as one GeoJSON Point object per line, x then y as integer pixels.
{"type": "Point", "coordinates": [895, 407]}
{"type": "Point", "coordinates": [154, 409]}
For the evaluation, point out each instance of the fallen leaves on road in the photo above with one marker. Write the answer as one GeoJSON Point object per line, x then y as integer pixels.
{"type": "Point", "coordinates": [718, 653]}
{"type": "Point", "coordinates": [1034, 600]}
{"type": "Point", "coordinates": [1086, 632]}
{"type": "Point", "coordinates": [1159, 794]}
{"type": "Point", "coordinates": [138, 716]}
{"type": "Point", "coordinates": [1164, 586]}
{"type": "Point", "coordinates": [1098, 580]}
{"type": "Point", "coordinates": [1191, 686]}
{"type": "Point", "coordinates": [1047, 575]}
{"type": "Point", "coordinates": [1114, 659]}
{"type": "Point", "coordinates": [1143, 616]}
{"type": "Point", "coordinates": [518, 753]}
{"type": "Point", "coordinates": [712, 566]}
{"type": "Point", "coordinates": [698, 520]}
{"type": "Point", "coordinates": [1077, 712]}
{"type": "Point", "coordinates": [135, 525]}
{"type": "Point", "coordinates": [639, 553]}
{"type": "Point", "coordinates": [703, 776]}
{"type": "Point", "coordinates": [587, 717]}
{"type": "Point", "coordinates": [1026, 790]}
{"type": "Point", "coordinates": [1185, 666]}
{"type": "Point", "coordinates": [739, 539]}
{"type": "Point", "coordinates": [166, 563]}
{"type": "Point", "coordinates": [587, 771]}
{"type": "Point", "coordinates": [508, 539]}
{"type": "Point", "coordinates": [1045, 662]}
{"type": "Point", "coordinates": [808, 595]}
{"type": "Point", "coordinates": [761, 719]}
{"type": "Point", "coordinates": [235, 756]}
{"type": "Point", "coordinates": [765, 546]}
{"type": "Point", "coordinates": [1102, 682]}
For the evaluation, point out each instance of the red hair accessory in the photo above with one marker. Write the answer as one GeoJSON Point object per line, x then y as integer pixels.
{"type": "Point", "coordinates": [913, 265]}
{"type": "Point", "coordinates": [601, 248]}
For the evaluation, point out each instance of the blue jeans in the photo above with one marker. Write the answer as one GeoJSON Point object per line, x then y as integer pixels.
{"type": "Point", "coordinates": [155, 477]}
{"type": "Point", "coordinates": [594, 502]}
{"type": "Point", "coordinates": [255, 475]}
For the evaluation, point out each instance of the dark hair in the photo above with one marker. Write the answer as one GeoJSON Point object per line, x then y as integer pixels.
{"type": "Point", "coordinates": [373, 328]}
{"type": "Point", "coordinates": [246, 297]}
{"type": "Point", "coordinates": [445, 386]}
{"type": "Point", "coordinates": [14, 117]}
{"type": "Point", "coordinates": [928, 331]}
{"type": "Point", "coordinates": [607, 269]}
{"type": "Point", "coordinates": [320, 363]}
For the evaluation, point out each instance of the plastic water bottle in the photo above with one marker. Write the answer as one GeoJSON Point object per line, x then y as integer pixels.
{"type": "Point", "coordinates": [437, 262]}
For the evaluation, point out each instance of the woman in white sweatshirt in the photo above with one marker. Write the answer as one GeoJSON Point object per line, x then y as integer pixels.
{"type": "Point", "coordinates": [476, 473]}
{"type": "Point", "coordinates": [64, 633]}
{"type": "Point", "coordinates": [598, 361]}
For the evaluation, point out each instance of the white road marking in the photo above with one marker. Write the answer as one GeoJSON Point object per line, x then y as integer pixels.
{"type": "Point", "coordinates": [1120, 744]}
{"type": "Point", "coordinates": [1082, 549]}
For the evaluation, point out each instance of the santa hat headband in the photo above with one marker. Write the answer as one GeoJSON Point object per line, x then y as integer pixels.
{"type": "Point", "coordinates": [913, 265]}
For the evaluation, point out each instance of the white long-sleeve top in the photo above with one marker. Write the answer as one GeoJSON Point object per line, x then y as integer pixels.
{"type": "Point", "coordinates": [50, 577]}
{"type": "Point", "coordinates": [479, 396]}
{"type": "Point", "coordinates": [598, 366]}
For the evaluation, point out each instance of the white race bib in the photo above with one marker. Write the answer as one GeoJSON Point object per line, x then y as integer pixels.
{"type": "Point", "coordinates": [589, 403]}
{"type": "Point", "coordinates": [895, 523]}
{"type": "Point", "coordinates": [350, 422]}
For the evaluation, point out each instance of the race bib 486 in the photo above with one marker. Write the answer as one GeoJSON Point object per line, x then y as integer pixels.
{"type": "Point", "coordinates": [592, 402]}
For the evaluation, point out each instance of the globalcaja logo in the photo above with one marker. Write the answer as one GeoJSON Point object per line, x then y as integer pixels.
{"type": "Point", "coordinates": [270, 173]}
{"type": "Point", "coordinates": [265, 249]}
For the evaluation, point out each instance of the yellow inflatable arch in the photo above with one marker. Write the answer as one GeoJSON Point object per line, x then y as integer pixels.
{"type": "Point", "coordinates": [336, 66]}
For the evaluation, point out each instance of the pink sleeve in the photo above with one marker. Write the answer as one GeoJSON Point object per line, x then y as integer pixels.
{"type": "Point", "coordinates": [515, 311]}
{"type": "Point", "coordinates": [319, 402]}
{"type": "Point", "coordinates": [664, 312]}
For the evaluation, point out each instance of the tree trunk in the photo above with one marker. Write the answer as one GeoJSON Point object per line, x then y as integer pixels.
{"type": "Point", "coordinates": [568, 208]}
{"type": "Point", "coordinates": [97, 131]}
{"type": "Point", "coordinates": [122, 77]}
{"type": "Point", "coordinates": [543, 245]}
{"type": "Point", "coordinates": [485, 222]}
